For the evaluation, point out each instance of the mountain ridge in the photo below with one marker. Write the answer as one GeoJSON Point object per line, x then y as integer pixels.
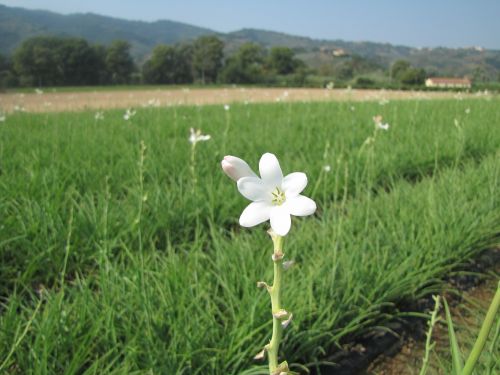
{"type": "Point", "coordinates": [18, 24]}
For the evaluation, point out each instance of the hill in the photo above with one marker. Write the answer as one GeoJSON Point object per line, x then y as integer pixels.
{"type": "Point", "coordinates": [17, 24]}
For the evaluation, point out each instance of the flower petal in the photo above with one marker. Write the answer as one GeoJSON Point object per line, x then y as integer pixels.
{"type": "Point", "coordinates": [294, 183]}
{"type": "Point", "coordinates": [255, 213]}
{"type": "Point", "coordinates": [281, 220]}
{"type": "Point", "coordinates": [236, 168]}
{"type": "Point", "coordinates": [300, 206]}
{"type": "Point", "coordinates": [253, 188]}
{"type": "Point", "coordinates": [270, 170]}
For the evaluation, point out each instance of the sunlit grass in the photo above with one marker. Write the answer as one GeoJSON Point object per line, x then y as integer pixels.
{"type": "Point", "coordinates": [160, 278]}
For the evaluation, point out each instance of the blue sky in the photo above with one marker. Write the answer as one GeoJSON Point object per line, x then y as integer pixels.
{"type": "Point", "coordinates": [451, 23]}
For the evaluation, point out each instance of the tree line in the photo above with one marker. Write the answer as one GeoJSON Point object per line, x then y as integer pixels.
{"type": "Point", "coordinates": [55, 61]}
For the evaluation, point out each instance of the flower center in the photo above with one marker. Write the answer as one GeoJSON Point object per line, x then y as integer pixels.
{"type": "Point", "coordinates": [278, 197]}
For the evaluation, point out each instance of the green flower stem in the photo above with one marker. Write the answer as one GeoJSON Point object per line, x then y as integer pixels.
{"type": "Point", "coordinates": [275, 292]}
{"type": "Point", "coordinates": [192, 166]}
{"type": "Point", "coordinates": [483, 334]}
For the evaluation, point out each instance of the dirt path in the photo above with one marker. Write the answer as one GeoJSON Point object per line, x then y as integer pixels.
{"type": "Point", "coordinates": [74, 101]}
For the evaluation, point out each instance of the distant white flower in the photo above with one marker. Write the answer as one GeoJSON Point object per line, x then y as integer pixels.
{"type": "Point", "coordinates": [39, 91]}
{"type": "Point", "coordinates": [330, 85]}
{"type": "Point", "coordinates": [379, 124]}
{"type": "Point", "coordinates": [352, 108]}
{"type": "Point", "coordinates": [274, 197]}
{"type": "Point", "coordinates": [226, 107]}
{"type": "Point", "coordinates": [129, 113]}
{"type": "Point", "coordinates": [196, 136]}
{"type": "Point", "coordinates": [467, 111]}
{"type": "Point", "coordinates": [152, 103]}
{"type": "Point", "coordinates": [383, 102]}
{"type": "Point", "coordinates": [327, 168]}
{"type": "Point", "coordinates": [99, 116]}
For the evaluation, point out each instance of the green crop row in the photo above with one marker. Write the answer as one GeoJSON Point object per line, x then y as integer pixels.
{"type": "Point", "coordinates": [68, 166]}
{"type": "Point", "coordinates": [193, 308]}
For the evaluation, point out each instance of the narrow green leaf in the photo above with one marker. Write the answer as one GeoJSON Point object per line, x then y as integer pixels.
{"type": "Point", "coordinates": [455, 350]}
{"type": "Point", "coordinates": [483, 334]}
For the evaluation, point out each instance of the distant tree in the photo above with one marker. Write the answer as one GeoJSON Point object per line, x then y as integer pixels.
{"type": "Point", "coordinates": [44, 61]}
{"type": "Point", "coordinates": [119, 62]}
{"type": "Point", "coordinates": [208, 52]}
{"type": "Point", "coordinates": [344, 71]}
{"type": "Point", "coordinates": [398, 68]}
{"type": "Point", "coordinates": [413, 76]}
{"type": "Point", "coordinates": [184, 68]}
{"type": "Point", "coordinates": [364, 82]}
{"type": "Point", "coordinates": [160, 67]}
{"type": "Point", "coordinates": [36, 61]}
{"type": "Point", "coordinates": [355, 65]}
{"type": "Point", "coordinates": [7, 75]}
{"type": "Point", "coordinates": [103, 75]}
{"type": "Point", "coordinates": [77, 63]}
{"type": "Point", "coordinates": [245, 66]}
{"type": "Point", "coordinates": [169, 64]}
{"type": "Point", "coordinates": [480, 74]}
{"type": "Point", "coordinates": [282, 60]}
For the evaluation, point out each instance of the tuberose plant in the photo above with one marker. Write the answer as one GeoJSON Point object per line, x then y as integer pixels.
{"type": "Point", "coordinates": [274, 198]}
{"type": "Point", "coordinates": [458, 366]}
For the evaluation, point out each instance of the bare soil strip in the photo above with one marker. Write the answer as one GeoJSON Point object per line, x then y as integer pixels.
{"type": "Point", "coordinates": [99, 99]}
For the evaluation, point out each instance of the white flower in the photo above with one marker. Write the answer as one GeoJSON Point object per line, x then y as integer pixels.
{"type": "Point", "coordinates": [330, 85]}
{"type": "Point", "coordinates": [226, 107]}
{"type": "Point", "coordinates": [196, 136]}
{"type": "Point", "coordinates": [99, 116]}
{"type": "Point", "coordinates": [467, 111]}
{"type": "Point", "coordinates": [274, 197]}
{"type": "Point", "coordinates": [383, 126]}
{"type": "Point", "coordinates": [129, 113]}
{"type": "Point", "coordinates": [379, 124]}
{"type": "Point", "coordinates": [152, 103]}
{"type": "Point", "coordinates": [236, 168]}
{"type": "Point", "coordinates": [327, 168]}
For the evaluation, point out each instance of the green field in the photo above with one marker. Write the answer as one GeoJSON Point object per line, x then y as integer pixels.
{"type": "Point", "coordinates": [115, 259]}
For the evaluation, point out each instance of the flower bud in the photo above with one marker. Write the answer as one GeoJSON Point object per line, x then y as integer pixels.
{"type": "Point", "coordinates": [236, 168]}
{"type": "Point", "coordinates": [287, 322]}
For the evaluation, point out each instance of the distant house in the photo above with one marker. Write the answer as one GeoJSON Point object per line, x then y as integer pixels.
{"type": "Point", "coordinates": [339, 52]}
{"type": "Point", "coordinates": [463, 83]}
